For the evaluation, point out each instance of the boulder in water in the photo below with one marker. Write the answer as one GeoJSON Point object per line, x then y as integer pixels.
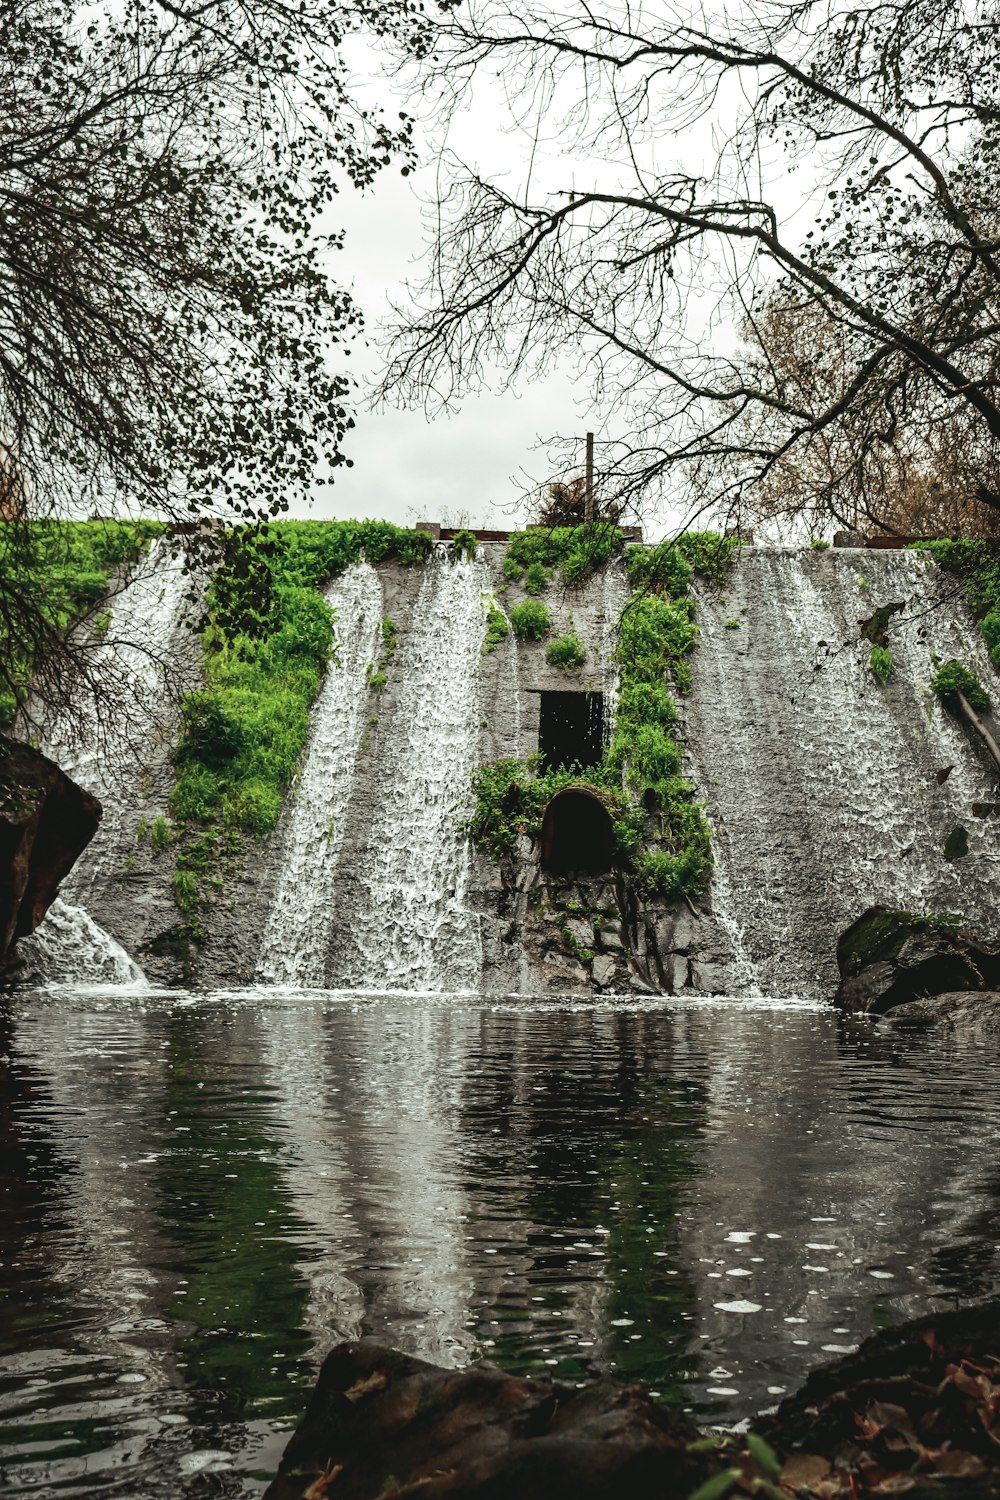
{"type": "Point", "coordinates": [890, 958]}
{"type": "Point", "coordinates": [46, 822]}
{"type": "Point", "coordinates": [972, 1013]}
{"type": "Point", "coordinates": [382, 1423]}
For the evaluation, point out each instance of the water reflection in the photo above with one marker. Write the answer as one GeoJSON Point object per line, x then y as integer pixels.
{"type": "Point", "coordinates": [205, 1192]}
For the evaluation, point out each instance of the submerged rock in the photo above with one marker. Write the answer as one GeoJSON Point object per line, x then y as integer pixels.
{"type": "Point", "coordinates": [46, 822]}
{"type": "Point", "coordinates": [381, 1423]}
{"type": "Point", "coordinates": [891, 958]}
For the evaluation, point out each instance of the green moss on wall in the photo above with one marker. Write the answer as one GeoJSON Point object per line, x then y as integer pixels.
{"type": "Point", "coordinates": [660, 830]}
{"type": "Point", "coordinates": [577, 551]}
{"type": "Point", "coordinates": [977, 564]}
{"type": "Point", "coordinates": [266, 641]}
{"type": "Point", "coordinates": [66, 567]}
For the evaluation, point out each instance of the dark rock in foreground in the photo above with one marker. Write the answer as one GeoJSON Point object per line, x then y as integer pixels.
{"type": "Point", "coordinates": [915, 1411]}
{"type": "Point", "coordinates": [389, 1424]}
{"type": "Point", "coordinates": [46, 821]}
{"type": "Point", "coordinates": [891, 958]}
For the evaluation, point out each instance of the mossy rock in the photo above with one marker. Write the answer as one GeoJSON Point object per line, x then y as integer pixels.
{"type": "Point", "coordinates": [890, 957]}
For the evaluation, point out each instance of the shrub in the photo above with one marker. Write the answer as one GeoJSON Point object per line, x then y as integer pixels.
{"type": "Point", "coordinates": [818, 544]}
{"type": "Point", "coordinates": [497, 629]}
{"type": "Point", "coordinates": [579, 550]}
{"type": "Point", "coordinates": [536, 578]}
{"type": "Point", "coordinates": [880, 662]}
{"type": "Point", "coordinates": [671, 875]}
{"type": "Point", "coordinates": [214, 734]}
{"type": "Point", "coordinates": [184, 887]}
{"type": "Point", "coordinates": [953, 678]}
{"type": "Point", "coordinates": [530, 621]}
{"type": "Point", "coordinates": [567, 652]}
{"type": "Point", "coordinates": [159, 833]}
{"type": "Point", "coordinates": [255, 805]}
{"type": "Point", "coordinates": [464, 544]}
{"type": "Point", "coordinates": [663, 567]}
{"type": "Point", "coordinates": [196, 796]}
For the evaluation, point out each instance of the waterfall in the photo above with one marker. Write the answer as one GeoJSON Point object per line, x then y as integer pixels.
{"type": "Point", "coordinates": [108, 741]}
{"type": "Point", "coordinates": [297, 934]}
{"type": "Point", "coordinates": [70, 948]}
{"type": "Point", "coordinates": [614, 599]}
{"type": "Point", "coordinates": [821, 783]}
{"type": "Point", "coordinates": [407, 926]}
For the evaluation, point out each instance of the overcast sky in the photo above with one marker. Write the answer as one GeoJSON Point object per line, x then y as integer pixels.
{"type": "Point", "coordinates": [478, 463]}
{"type": "Point", "coordinates": [475, 464]}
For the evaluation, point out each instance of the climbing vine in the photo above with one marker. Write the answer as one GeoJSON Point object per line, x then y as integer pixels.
{"type": "Point", "coordinates": [639, 777]}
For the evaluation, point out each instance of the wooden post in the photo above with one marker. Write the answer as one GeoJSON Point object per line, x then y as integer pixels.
{"type": "Point", "coordinates": [588, 497]}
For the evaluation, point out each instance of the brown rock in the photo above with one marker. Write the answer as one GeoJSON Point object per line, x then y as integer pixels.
{"type": "Point", "coordinates": [396, 1425]}
{"type": "Point", "coordinates": [46, 821]}
{"type": "Point", "coordinates": [976, 1012]}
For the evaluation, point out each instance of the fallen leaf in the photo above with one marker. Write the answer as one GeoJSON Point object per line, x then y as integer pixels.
{"type": "Point", "coordinates": [803, 1471]}
{"type": "Point", "coordinates": [375, 1382]}
{"type": "Point", "coordinates": [317, 1490]}
{"type": "Point", "coordinates": [954, 1464]}
{"type": "Point", "coordinates": [965, 1379]}
{"type": "Point", "coordinates": [891, 1423]}
{"type": "Point", "coordinates": [896, 1484]}
{"type": "Point", "coordinates": [943, 774]}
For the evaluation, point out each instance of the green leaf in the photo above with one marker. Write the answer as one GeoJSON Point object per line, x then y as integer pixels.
{"type": "Point", "coordinates": [717, 1486]}
{"type": "Point", "coordinates": [763, 1456]}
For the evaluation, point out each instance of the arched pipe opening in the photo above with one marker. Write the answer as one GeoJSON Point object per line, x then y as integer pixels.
{"type": "Point", "coordinates": [578, 837]}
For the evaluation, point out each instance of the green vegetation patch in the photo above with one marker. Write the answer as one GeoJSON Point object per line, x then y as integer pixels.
{"type": "Point", "coordinates": [497, 629]}
{"type": "Point", "coordinates": [638, 778]}
{"type": "Point", "coordinates": [530, 621]}
{"type": "Point", "coordinates": [953, 678]}
{"type": "Point", "coordinates": [65, 566]}
{"type": "Point", "coordinates": [880, 661]}
{"type": "Point", "coordinates": [266, 640]}
{"type": "Point", "coordinates": [978, 565]}
{"type": "Point", "coordinates": [566, 652]}
{"type": "Point", "coordinates": [534, 554]}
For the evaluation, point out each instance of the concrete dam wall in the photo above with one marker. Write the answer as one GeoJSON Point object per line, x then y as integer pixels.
{"type": "Point", "coordinates": [826, 790]}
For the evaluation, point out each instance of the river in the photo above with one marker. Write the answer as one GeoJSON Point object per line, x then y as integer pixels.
{"type": "Point", "coordinates": [204, 1192]}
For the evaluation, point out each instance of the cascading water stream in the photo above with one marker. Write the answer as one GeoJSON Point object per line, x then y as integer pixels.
{"type": "Point", "coordinates": [106, 743]}
{"type": "Point", "coordinates": [70, 948]}
{"type": "Point", "coordinates": [821, 783]}
{"type": "Point", "coordinates": [297, 934]}
{"type": "Point", "coordinates": [407, 926]}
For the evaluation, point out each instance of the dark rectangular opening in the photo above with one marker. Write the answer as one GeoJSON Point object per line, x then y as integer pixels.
{"type": "Point", "coordinates": [571, 729]}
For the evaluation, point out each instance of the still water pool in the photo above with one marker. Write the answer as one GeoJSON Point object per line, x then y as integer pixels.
{"type": "Point", "coordinates": [203, 1192]}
